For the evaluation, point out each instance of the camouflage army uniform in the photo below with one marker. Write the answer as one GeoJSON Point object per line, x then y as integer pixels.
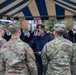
{"type": "Point", "coordinates": [57, 55]}
{"type": "Point", "coordinates": [17, 58]}
{"type": "Point", "coordinates": [73, 66]}
{"type": "Point", "coordinates": [2, 41]}
{"type": "Point", "coordinates": [75, 59]}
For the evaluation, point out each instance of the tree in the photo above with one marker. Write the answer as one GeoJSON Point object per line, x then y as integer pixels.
{"type": "Point", "coordinates": [51, 24]}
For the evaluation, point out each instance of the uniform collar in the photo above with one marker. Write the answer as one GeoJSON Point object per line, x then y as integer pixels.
{"type": "Point", "coordinates": [59, 37]}
{"type": "Point", "coordinates": [15, 38]}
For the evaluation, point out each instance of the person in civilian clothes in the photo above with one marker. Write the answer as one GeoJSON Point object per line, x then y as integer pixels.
{"type": "Point", "coordinates": [38, 42]}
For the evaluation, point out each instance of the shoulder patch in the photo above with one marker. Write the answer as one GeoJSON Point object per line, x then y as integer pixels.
{"type": "Point", "coordinates": [31, 51]}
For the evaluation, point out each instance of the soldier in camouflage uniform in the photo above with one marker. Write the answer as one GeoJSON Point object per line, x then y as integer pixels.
{"type": "Point", "coordinates": [75, 55]}
{"type": "Point", "coordinates": [16, 57]}
{"type": "Point", "coordinates": [2, 40]}
{"type": "Point", "coordinates": [73, 66]}
{"type": "Point", "coordinates": [2, 32]}
{"type": "Point", "coordinates": [57, 54]}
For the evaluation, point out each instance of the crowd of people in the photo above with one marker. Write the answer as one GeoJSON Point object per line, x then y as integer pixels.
{"type": "Point", "coordinates": [41, 54]}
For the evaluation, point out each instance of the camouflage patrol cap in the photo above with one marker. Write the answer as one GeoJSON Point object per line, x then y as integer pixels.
{"type": "Point", "coordinates": [40, 26]}
{"type": "Point", "coordinates": [59, 27]}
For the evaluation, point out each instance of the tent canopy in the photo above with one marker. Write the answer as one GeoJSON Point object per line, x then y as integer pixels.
{"type": "Point", "coordinates": [37, 9]}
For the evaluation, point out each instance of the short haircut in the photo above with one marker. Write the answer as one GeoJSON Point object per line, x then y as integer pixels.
{"type": "Point", "coordinates": [60, 33]}
{"type": "Point", "coordinates": [13, 28]}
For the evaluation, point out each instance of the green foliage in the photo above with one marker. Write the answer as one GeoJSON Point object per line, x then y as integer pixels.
{"type": "Point", "coordinates": [51, 23]}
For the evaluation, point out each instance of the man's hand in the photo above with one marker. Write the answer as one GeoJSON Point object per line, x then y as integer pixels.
{"type": "Point", "coordinates": [39, 53]}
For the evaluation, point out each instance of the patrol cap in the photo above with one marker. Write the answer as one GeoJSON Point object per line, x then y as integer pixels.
{"type": "Point", "coordinates": [59, 27]}
{"type": "Point", "coordinates": [40, 26]}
